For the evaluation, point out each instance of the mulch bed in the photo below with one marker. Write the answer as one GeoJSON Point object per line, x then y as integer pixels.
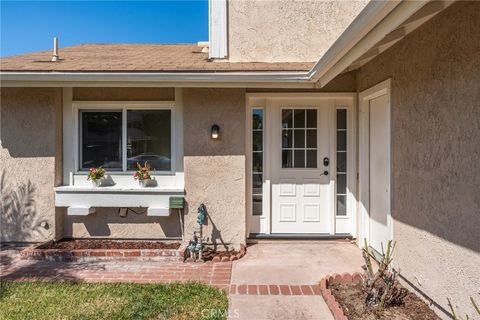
{"type": "Point", "coordinates": [209, 254]}
{"type": "Point", "coordinates": [110, 244]}
{"type": "Point", "coordinates": [351, 298]}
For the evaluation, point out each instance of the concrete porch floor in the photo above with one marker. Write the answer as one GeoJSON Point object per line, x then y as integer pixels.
{"type": "Point", "coordinates": [295, 262]}
{"type": "Point", "coordinates": [289, 263]}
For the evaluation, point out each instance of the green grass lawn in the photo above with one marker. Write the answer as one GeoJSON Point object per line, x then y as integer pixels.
{"type": "Point", "coordinates": [64, 300]}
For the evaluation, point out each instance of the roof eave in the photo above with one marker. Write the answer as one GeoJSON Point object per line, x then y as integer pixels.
{"type": "Point", "coordinates": [215, 79]}
{"type": "Point", "coordinates": [374, 23]}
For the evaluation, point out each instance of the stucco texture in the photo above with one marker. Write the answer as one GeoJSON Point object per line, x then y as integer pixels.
{"type": "Point", "coordinates": [30, 163]}
{"type": "Point", "coordinates": [106, 223]}
{"type": "Point", "coordinates": [215, 169]}
{"type": "Point", "coordinates": [124, 94]}
{"type": "Point", "coordinates": [435, 101]}
{"type": "Point", "coordinates": [286, 30]}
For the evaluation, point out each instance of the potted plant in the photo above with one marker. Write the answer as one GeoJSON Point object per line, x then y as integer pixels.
{"type": "Point", "coordinates": [142, 174]}
{"type": "Point", "coordinates": [97, 176]}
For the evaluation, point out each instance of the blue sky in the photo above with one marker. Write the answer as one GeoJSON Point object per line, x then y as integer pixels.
{"type": "Point", "coordinates": [28, 26]}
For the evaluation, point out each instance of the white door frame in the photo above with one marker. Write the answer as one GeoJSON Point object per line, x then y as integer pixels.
{"type": "Point", "coordinates": [260, 100]}
{"type": "Point", "coordinates": [383, 88]}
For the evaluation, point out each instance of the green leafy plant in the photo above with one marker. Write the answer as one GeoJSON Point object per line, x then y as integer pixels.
{"type": "Point", "coordinates": [95, 174]}
{"type": "Point", "coordinates": [382, 287]}
{"type": "Point", "coordinates": [142, 172]}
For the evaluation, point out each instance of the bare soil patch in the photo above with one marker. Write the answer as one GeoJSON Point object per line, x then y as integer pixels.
{"type": "Point", "coordinates": [110, 244]}
{"type": "Point", "coordinates": [352, 299]}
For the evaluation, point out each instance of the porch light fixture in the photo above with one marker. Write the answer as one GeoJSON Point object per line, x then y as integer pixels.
{"type": "Point", "coordinates": [215, 131]}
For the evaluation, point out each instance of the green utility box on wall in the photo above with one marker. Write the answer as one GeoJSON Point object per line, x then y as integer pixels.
{"type": "Point", "coordinates": [176, 202]}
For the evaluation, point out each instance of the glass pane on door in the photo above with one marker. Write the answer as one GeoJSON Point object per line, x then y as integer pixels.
{"type": "Point", "coordinates": [299, 138]}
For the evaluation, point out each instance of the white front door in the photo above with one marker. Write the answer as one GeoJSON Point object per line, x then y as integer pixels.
{"type": "Point", "coordinates": [379, 172]}
{"type": "Point", "coordinates": [301, 187]}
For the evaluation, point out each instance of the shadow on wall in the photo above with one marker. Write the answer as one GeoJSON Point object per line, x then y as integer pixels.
{"type": "Point", "coordinates": [106, 222]}
{"type": "Point", "coordinates": [435, 125]}
{"type": "Point", "coordinates": [216, 235]}
{"type": "Point", "coordinates": [19, 217]}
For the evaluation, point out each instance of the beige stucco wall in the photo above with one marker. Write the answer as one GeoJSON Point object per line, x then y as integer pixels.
{"type": "Point", "coordinates": [215, 169]}
{"type": "Point", "coordinates": [123, 94]}
{"type": "Point", "coordinates": [286, 30]}
{"type": "Point", "coordinates": [435, 104]}
{"type": "Point", "coordinates": [30, 163]}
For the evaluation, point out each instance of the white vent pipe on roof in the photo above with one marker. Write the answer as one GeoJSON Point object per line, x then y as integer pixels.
{"type": "Point", "coordinates": [55, 49]}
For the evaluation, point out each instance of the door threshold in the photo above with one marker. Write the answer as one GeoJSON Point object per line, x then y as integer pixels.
{"type": "Point", "coordinates": [299, 236]}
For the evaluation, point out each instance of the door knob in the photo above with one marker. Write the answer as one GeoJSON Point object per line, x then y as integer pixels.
{"type": "Point", "coordinates": [325, 173]}
{"type": "Point", "coordinates": [326, 161]}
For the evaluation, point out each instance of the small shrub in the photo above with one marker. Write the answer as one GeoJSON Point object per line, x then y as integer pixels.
{"type": "Point", "coordinates": [381, 288]}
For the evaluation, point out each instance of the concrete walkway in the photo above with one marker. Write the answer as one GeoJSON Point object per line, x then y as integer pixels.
{"type": "Point", "coordinates": [294, 267]}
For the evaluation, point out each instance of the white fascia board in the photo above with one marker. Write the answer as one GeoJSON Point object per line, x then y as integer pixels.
{"type": "Point", "coordinates": [217, 79]}
{"type": "Point", "coordinates": [164, 84]}
{"type": "Point", "coordinates": [160, 76]}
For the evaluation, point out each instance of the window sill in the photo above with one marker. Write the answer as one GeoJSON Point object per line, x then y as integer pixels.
{"type": "Point", "coordinates": [118, 189]}
{"type": "Point", "coordinates": [115, 196]}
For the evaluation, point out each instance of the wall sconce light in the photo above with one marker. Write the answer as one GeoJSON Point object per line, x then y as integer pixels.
{"type": "Point", "coordinates": [215, 131]}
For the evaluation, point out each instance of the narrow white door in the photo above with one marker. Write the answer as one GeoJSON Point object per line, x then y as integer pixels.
{"type": "Point", "coordinates": [301, 198]}
{"type": "Point", "coordinates": [379, 172]}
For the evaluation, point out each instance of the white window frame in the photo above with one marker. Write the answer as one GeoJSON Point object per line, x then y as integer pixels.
{"type": "Point", "coordinates": [123, 106]}
{"type": "Point", "coordinates": [348, 193]}
{"type": "Point", "coordinates": [258, 220]}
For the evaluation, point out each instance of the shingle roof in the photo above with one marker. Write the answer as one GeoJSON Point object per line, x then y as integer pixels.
{"type": "Point", "coordinates": [136, 58]}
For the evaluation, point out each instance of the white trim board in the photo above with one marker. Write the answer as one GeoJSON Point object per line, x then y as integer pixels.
{"type": "Point", "coordinates": [383, 88]}
{"type": "Point", "coordinates": [217, 29]}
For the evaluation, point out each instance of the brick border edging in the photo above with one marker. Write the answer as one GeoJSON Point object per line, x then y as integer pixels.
{"type": "Point", "coordinates": [239, 255]}
{"type": "Point", "coordinates": [327, 295]}
{"type": "Point", "coordinates": [38, 252]}
{"type": "Point", "coordinates": [274, 289]}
